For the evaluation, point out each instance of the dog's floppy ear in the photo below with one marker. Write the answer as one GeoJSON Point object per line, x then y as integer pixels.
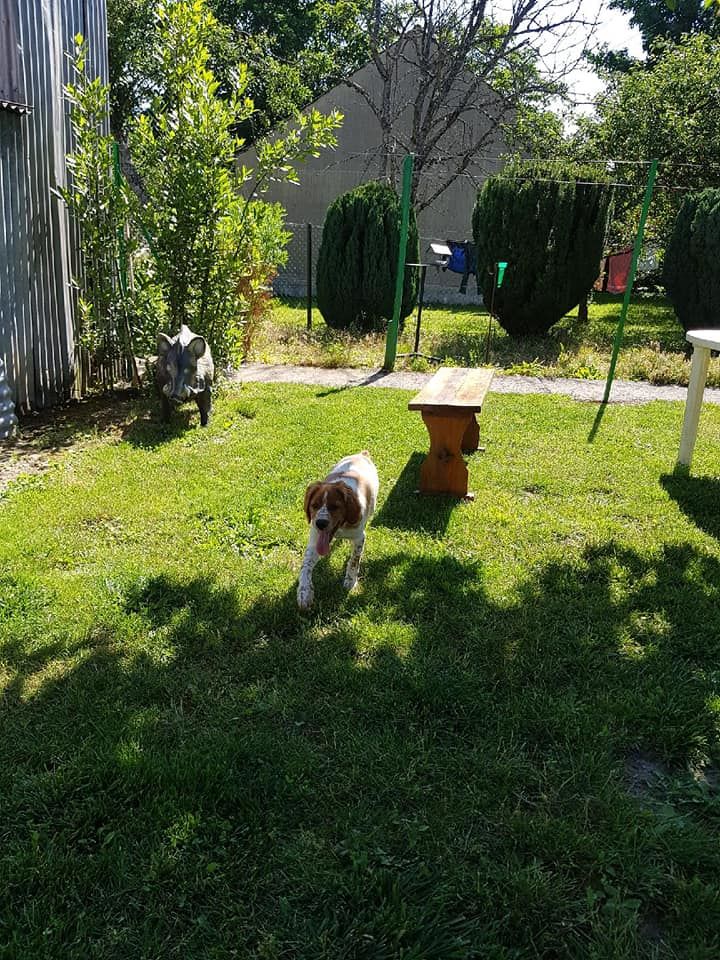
{"type": "Point", "coordinates": [352, 506]}
{"type": "Point", "coordinates": [309, 494]}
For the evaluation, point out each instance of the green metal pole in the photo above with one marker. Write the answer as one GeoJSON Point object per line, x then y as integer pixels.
{"type": "Point", "coordinates": [631, 278]}
{"type": "Point", "coordinates": [394, 325]}
{"type": "Point", "coordinates": [122, 267]}
{"type": "Point", "coordinates": [122, 257]}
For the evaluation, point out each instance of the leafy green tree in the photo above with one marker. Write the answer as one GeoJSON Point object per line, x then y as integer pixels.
{"type": "Point", "coordinates": [99, 210]}
{"type": "Point", "coordinates": [661, 20]}
{"type": "Point", "coordinates": [294, 51]}
{"type": "Point", "coordinates": [656, 20]}
{"type": "Point", "coordinates": [357, 260]}
{"type": "Point", "coordinates": [690, 268]}
{"type": "Point", "coordinates": [212, 246]}
{"type": "Point", "coordinates": [669, 109]}
{"type": "Point", "coordinates": [130, 55]}
{"type": "Point", "coordinates": [549, 226]}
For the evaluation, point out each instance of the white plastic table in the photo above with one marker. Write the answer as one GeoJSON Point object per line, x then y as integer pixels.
{"type": "Point", "coordinates": [703, 342]}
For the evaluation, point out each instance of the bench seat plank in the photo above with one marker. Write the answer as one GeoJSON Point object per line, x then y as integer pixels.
{"type": "Point", "coordinates": [454, 387]}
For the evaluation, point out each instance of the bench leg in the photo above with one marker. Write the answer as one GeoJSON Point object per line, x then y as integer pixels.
{"type": "Point", "coordinates": [444, 470]}
{"type": "Point", "coordinates": [471, 437]}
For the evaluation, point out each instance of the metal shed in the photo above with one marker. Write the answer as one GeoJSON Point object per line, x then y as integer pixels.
{"type": "Point", "coordinates": [37, 325]}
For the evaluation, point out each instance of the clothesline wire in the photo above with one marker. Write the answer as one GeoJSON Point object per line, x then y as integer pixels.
{"type": "Point", "coordinates": [373, 154]}
{"type": "Point", "coordinates": [595, 183]}
{"type": "Point", "coordinates": [430, 178]}
{"type": "Point", "coordinates": [476, 179]}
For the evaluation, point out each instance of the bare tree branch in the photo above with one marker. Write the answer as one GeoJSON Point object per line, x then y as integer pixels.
{"type": "Point", "coordinates": [451, 73]}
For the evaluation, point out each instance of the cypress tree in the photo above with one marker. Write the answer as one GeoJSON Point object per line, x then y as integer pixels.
{"type": "Point", "coordinates": [550, 230]}
{"type": "Point", "coordinates": [690, 266]}
{"type": "Point", "coordinates": [357, 260]}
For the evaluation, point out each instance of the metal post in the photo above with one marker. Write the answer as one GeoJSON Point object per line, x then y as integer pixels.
{"type": "Point", "coordinates": [631, 278]}
{"type": "Point", "coordinates": [122, 259]}
{"type": "Point", "coordinates": [394, 324]}
{"type": "Point", "coordinates": [421, 294]}
{"type": "Point", "coordinates": [492, 313]}
{"type": "Point", "coordinates": [123, 269]}
{"type": "Point", "coordinates": [308, 286]}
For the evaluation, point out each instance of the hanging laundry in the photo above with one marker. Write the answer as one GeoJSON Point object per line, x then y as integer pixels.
{"type": "Point", "coordinates": [463, 259]}
{"type": "Point", "coordinates": [618, 271]}
{"type": "Point", "coordinates": [614, 272]}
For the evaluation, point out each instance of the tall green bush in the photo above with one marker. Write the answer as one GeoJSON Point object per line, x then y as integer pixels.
{"type": "Point", "coordinates": [99, 209]}
{"type": "Point", "coordinates": [201, 248]}
{"type": "Point", "coordinates": [549, 226]}
{"type": "Point", "coordinates": [690, 268]}
{"type": "Point", "coordinates": [357, 261]}
{"type": "Point", "coordinates": [214, 250]}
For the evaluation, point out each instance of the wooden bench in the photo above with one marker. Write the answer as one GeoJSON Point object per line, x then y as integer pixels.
{"type": "Point", "coordinates": [448, 404]}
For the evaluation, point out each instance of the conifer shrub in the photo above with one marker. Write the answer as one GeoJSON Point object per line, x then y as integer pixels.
{"type": "Point", "coordinates": [690, 267]}
{"type": "Point", "coordinates": [357, 260]}
{"type": "Point", "coordinates": [549, 226]}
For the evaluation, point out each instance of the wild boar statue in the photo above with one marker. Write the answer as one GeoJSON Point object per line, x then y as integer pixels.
{"type": "Point", "coordinates": [184, 371]}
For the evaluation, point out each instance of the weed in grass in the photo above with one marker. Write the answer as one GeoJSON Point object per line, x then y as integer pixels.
{"type": "Point", "coordinates": [525, 368]}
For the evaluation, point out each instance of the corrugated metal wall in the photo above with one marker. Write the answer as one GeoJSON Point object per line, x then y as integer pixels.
{"type": "Point", "coordinates": [36, 303]}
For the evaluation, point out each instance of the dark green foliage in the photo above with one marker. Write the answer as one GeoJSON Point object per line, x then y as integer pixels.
{"type": "Point", "coordinates": [357, 262]}
{"type": "Point", "coordinates": [690, 270]}
{"type": "Point", "coordinates": [551, 235]}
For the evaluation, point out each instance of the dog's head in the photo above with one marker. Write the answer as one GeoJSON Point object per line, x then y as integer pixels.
{"type": "Point", "coordinates": [329, 506]}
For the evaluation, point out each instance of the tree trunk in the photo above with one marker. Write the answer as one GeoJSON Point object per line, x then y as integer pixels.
{"type": "Point", "coordinates": [583, 310]}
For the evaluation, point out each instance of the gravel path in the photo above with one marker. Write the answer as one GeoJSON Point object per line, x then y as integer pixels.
{"type": "Point", "coordinates": [623, 391]}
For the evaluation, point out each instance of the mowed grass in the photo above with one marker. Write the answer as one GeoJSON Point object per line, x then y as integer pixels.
{"type": "Point", "coordinates": [654, 346]}
{"type": "Point", "coordinates": [503, 745]}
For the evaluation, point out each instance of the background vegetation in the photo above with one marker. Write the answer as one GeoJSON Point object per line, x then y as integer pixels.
{"type": "Point", "coordinates": [205, 252]}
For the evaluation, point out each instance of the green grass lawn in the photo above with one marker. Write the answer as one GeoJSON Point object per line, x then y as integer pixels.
{"type": "Point", "coordinates": [653, 350]}
{"type": "Point", "coordinates": [503, 745]}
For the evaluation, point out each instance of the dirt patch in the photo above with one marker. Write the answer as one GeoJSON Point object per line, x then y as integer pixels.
{"type": "Point", "coordinates": [43, 436]}
{"type": "Point", "coordinates": [651, 927]}
{"type": "Point", "coordinates": [644, 774]}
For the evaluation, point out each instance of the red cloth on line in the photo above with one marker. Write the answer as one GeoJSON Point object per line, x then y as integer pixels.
{"type": "Point", "coordinates": [614, 272]}
{"type": "Point", "coordinates": [618, 271]}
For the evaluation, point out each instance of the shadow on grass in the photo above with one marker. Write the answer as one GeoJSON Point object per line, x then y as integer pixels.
{"type": "Point", "coordinates": [375, 377]}
{"type": "Point", "coordinates": [697, 497]}
{"type": "Point", "coordinates": [406, 509]}
{"type": "Point", "coordinates": [597, 422]}
{"type": "Point", "coordinates": [470, 348]}
{"type": "Point", "coordinates": [148, 431]}
{"type": "Point", "coordinates": [393, 769]}
{"type": "Point", "coordinates": [59, 427]}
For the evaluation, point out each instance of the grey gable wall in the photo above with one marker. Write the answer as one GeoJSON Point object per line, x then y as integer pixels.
{"type": "Point", "coordinates": [357, 159]}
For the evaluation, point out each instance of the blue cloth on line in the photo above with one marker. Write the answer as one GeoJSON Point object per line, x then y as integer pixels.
{"type": "Point", "coordinates": [463, 259]}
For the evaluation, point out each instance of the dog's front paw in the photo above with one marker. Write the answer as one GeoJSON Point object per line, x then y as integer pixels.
{"type": "Point", "coordinates": [305, 596]}
{"type": "Point", "coordinates": [351, 579]}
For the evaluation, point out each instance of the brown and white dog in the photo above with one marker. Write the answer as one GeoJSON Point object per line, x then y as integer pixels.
{"type": "Point", "coordinates": [339, 506]}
